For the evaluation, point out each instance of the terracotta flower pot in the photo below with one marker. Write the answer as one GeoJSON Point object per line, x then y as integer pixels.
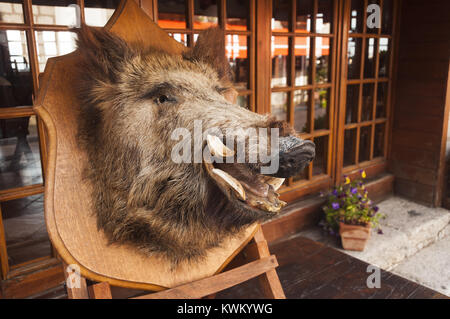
{"type": "Point", "coordinates": [354, 237]}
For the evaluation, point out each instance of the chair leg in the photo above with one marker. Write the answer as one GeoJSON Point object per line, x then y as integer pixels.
{"type": "Point", "coordinates": [269, 281]}
{"type": "Point", "coordinates": [75, 284]}
{"type": "Point", "coordinates": [101, 290]}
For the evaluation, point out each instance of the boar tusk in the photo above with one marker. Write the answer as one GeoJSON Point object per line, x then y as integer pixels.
{"type": "Point", "coordinates": [276, 182]}
{"type": "Point", "coordinates": [231, 181]}
{"type": "Point", "coordinates": [217, 148]}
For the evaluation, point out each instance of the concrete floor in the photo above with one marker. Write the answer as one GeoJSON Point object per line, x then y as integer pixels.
{"type": "Point", "coordinates": [415, 243]}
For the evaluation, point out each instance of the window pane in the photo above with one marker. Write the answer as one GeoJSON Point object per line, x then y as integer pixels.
{"type": "Point", "coordinates": [382, 92]}
{"type": "Point", "coordinates": [357, 16]}
{"type": "Point", "coordinates": [364, 143]}
{"type": "Point", "coordinates": [323, 65]}
{"type": "Point", "coordinates": [387, 17]}
{"type": "Point", "coordinates": [242, 100]}
{"type": "Point", "coordinates": [302, 176]}
{"type": "Point", "coordinates": [237, 14]}
{"type": "Point", "coordinates": [378, 147]}
{"type": "Point", "coordinates": [53, 43]}
{"type": "Point", "coordinates": [15, 76]}
{"type": "Point", "coordinates": [205, 14]}
{"type": "Point", "coordinates": [304, 13]}
{"type": "Point", "coordinates": [351, 113]}
{"type": "Point", "coordinates": [11, 11]}
{"type": "Point", "coordinates": [369, 60]}
{"type": "Point", "coordinates": [98, 12]}
{"type": "Point", "coordinates": [367, 102]}
{"type": "Point", "coordinates": [301, 111]}
{"type": "Point", "coordinates": [349, 147]}
{"type": "Point", "coordinates": [324, 18]}
{"type": "Point", "coordinates": [180, 37]}
{"type": "Point", "coordinates": [383, 69]}
{"type": "Point", "coordinates": [25, 231]}
{"type": "Point", "coordinates": [20, 162]}
{"type": "Point", "coordinates": [236, 51]}
{"type": "Point", "coordinates": [321, 109]}
{"type": "Point", "coordinates": [354, 58]}
{"type": "Point", "coordinates": [374, 29]}
{"type": "Point", "coordinates": [60, 12]}
{"type": "Point", "coordinates": [320, 161]}
{"type": "Point", "coordinates": [279, 102]}
{"type": "Point", "coordinates": [172, 14]}
{"type": "Point", "coordinates": [281, 15]}
{"type": "Point", "coordinates": [302, 61]}
{"type": "Point", "coordinates": [280, 49]}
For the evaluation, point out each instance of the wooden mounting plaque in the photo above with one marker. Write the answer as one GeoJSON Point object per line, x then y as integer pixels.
{"type": "Point", "coordinates": [69, 216]}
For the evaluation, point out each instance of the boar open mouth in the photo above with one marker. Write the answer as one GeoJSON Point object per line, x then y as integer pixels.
{"type": "Point", "coordinates": [241, 181]}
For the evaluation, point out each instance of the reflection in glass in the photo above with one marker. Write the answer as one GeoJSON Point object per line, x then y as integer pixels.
{"type": "Point", "coordinates": [374, 29]}
{"type": "Point", "coordinates": [364, 143]}
{"type": "Point", "coordinates": [280, 49]}
{"type": "Point", "coordinates": [320, 161]}
{"type": "Point", "coordinates": [302, 61]}
{"type": "Point", "coordinates": [281, 15]}
{"type": "Point", "coordinates": [324, 16]}
{"type": "Point", "coordinates": [323, 66]}
{"type": "Point", "coordinates": [205, 14]}
{"type": "Point", "coordinates": [383, 68]}
{"type": "Point", "coordinates": [11, 11]}
{"type": "Point", "coordinates": [25, 231]}
{"type": "Point", "coordinates": [180, 37]}
{"type": "Point", "coordinates": [301, 111]}
{"type": "Point", "coordinates": [387, 17]}
{"type": "Point", "coordinates": [378, 147]}
{"type": "Point", "coordinates": [15, 75]}
{"type": "Point", "coordinates": [351, 113]}
{"type": "Point", "coordinates": [97, 13]}
{"type": "Point", "coordinates": [53, 43]}
{"type": "Point", "coordinates": [172, 14]}
{"type": "Point", "coordinates": [60, 12]}
{"type": "Point", "coordinates": [236, 52]}
{"type": "Point", "coordinates": [304, 14]}
{"type": "Point", "coordinates": [357, 16]}
{"type": "Point", "coordinates": [242, 100]}
{"type": "Point", "coordinates": [237, 14]}
{"type": "Point", "coordinates": [321, 109]}
{"type": "Point", "coordinates": [381, 99]}
{"type": "Point", "coordinates": [279, 102]}
{"type": "Point", "coordinates": [369, 60]}
{"type": "Point", "coordinates": [20, 162]}
{"type": "Point", "coordinates": [367, 101]}
{"type": "Point", "coordinates": [349, 147]}
{"type": "Point", "coordinates": [354, 58]}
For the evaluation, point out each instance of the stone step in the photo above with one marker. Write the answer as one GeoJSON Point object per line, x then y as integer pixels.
{"type": "Point", "coordinates": [407, 229]}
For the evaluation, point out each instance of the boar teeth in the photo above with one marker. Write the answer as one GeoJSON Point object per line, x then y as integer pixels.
{"type": "Point", "coordinates": [231, 181]}
{"type": "Point", "coordinates": [276, 182]}
{"type": "Point", "coordinates": [217, 148]}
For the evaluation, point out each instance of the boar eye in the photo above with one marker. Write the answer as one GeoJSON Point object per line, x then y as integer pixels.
{"type": "Point", "coordinates": [163, 98]}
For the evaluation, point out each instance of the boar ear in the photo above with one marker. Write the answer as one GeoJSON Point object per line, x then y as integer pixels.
{"type": "Point", "coordinates": [102, 53]}
{"type": "Point", "coordinates": [210, 48]}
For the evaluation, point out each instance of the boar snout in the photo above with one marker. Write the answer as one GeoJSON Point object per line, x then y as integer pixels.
{"type": "Point", "coordinates": [295, 154]}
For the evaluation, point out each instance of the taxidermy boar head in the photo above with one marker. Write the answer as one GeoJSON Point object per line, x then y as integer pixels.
{"type": "Point", "coordinates": [153, 186]}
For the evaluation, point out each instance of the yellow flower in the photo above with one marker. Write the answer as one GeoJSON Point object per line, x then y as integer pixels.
{"type": "Point", "coordinates": [347, 180]}
{"type": "Point", "coordinates": [363, 174]}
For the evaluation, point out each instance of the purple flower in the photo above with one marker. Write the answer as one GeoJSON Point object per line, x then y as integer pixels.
{"type": "Point", "coordinates": [380, 232]}
{"type": "Point", "coordinates": [335, 206]}
{"type": "Point", "coordinates": [354, 190]}
{"type": "Point", "coordinates": [335, 193]}
{"type": "Point", "coordinates": [375, 208]}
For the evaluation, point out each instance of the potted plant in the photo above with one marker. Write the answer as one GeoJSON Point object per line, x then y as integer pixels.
{"type": "Point", "coordinates": [350, 213]}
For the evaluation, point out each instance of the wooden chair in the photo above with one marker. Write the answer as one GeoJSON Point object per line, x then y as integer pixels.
{"type": "Point", "coordinates": [69, 216]}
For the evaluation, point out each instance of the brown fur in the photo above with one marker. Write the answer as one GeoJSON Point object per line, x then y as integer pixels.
{"type": "Point", "coordinates": [141, 196]}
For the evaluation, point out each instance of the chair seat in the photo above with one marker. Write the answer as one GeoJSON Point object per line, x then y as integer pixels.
{"type": "Point", "coordinates": [70, 219]}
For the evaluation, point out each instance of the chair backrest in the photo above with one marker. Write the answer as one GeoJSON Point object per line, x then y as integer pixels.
{"type": "Point", "coordinates": [71, 223]}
